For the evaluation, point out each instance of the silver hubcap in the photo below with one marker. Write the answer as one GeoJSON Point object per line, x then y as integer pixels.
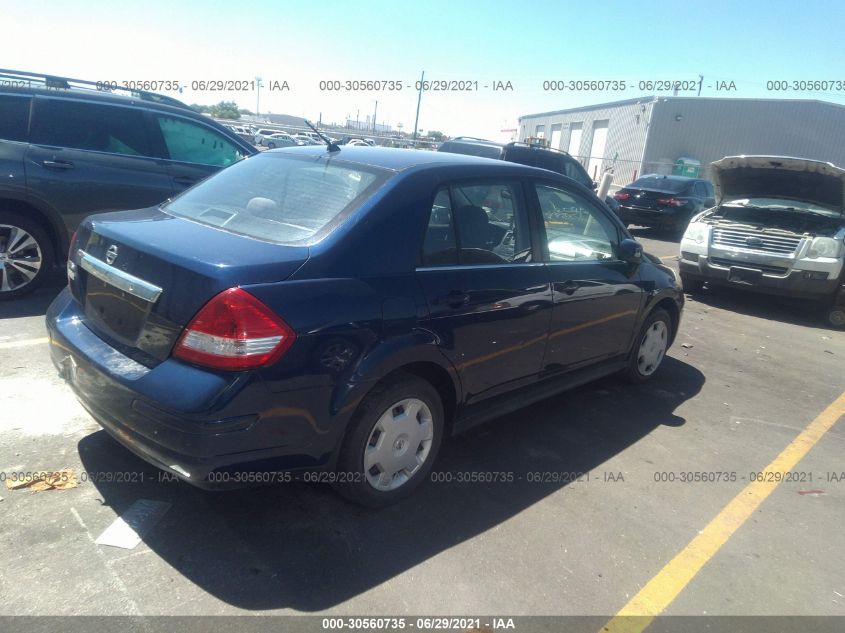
{"type": "Point", "coordinates": [652, 348]}
{"type": "Point", "coordinates": [399, 444]}
{"type": "Point", "coordinates": [20, 258]}
{"type": "Point", "coordinates": [837, 317]}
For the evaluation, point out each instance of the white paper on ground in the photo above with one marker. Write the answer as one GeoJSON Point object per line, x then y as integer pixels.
{"type": "Point", "coordinates": [129, 528]}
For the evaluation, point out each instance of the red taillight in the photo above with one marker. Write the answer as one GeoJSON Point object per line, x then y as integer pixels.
{"type": "Point", "coordinates": [670, 202]}
{"type": "Point", "coordinates": [621, 195]}
{"type": "Point", "coordinates": [234, 331]}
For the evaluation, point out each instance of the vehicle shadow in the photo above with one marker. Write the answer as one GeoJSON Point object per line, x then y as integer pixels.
{"type": "Point", "coordinates": [34, 304]}
{"type": "Point", "coordinates": [300, 546]}
{"type": "Point", "coordinates": [784, 309]}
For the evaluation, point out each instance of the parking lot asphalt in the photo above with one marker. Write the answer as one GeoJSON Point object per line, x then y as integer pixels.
{"type": "Point", "coordinates": [746, 376]}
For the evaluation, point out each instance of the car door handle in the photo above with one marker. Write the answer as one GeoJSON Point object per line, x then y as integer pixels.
{"type": "Point", "coordinates": [184, 180]}
{"type": "Point", "coordinates": [57, 164]}
{"type": "Point", "coordinates": [568, 287]}
{"type": "Point", "coordinates": [455, 299]}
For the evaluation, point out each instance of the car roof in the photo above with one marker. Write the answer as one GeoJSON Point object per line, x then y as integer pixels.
{"type": "Point", "coordinates": [671, 177]}
{"type": "Point", "coordinates": [396, 159]}
{"type": "Point", "coordinates": [469, 140]}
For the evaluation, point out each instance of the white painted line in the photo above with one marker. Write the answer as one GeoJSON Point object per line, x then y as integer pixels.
{"type": "Point", "coordinates": [128, 529]}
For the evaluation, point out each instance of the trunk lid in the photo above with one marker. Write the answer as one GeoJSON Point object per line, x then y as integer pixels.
{"type": "Point", "coordinates": [644, 198]}
{"type": "Point", "coordinates": [816, 182]}
{"type": "Point", "coordinates": [142, 275]}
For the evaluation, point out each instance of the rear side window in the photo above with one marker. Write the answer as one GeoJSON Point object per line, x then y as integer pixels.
{"type": "Point", "coordinates": [486, 222]}
{"type": "Point", "coordinates": [576, 172]}
{"type": "Point", "coordinates": [192, 143]}
{"type": "Point", "coordinates": [89, 126]}
{"type": "Point", "coordinates": [276, 197]}
{"type": "Point", "coordinates": [14, 117]}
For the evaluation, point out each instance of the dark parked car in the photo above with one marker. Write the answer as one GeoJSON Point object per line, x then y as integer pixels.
{"type": "Point", "coordinates": [525, 154]}
{"type": "Point", "coordinates": [343, 311]}
{"type": "Point", "coordinates": [664, 202]}
{"type": "Point", "coordinates": [68, 149]}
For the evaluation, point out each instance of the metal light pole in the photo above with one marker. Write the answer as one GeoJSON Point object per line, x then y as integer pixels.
{"type": "Point", "coordinates": [374, 117]}
{"type": "Point", "coordinates": [417, 118]}
{"type": "Point", "coordinates": [257, 95]}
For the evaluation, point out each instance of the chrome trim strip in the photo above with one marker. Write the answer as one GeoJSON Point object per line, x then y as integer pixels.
{"type": "Point", "coordinates": [130, 284]}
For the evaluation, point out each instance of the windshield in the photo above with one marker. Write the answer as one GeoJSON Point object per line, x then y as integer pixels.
{"type": "Point", "coordinates": [659, 183]}
{"type": "Point", "coordinates": [276, 197]}
{"type": "Point", "coordinates": [784, 204]}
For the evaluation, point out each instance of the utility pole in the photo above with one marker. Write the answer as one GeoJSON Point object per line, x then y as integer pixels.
{"type": "Point", "coordinates": [700, 81]}
{"type": "Point", "coordinates": [374, 117]}
{"type": "Point", "coordinates": [257, 94]}
{"type": "Point", "coordinates": [417, 118]}
{"type": "Point", "coordinates": [357, 120]}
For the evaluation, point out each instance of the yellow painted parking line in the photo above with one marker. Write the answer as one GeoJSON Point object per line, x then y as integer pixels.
{"type": "Point", "coordinates": [661, 590]}
{"type": "Point", "coordinates": [24, 343]}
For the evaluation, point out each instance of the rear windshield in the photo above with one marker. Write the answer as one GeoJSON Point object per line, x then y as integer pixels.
{"type": "Point", "coordinates": [277, 197]}
{"type": "Point", "coordinates": [657, 183]}
{"type": "Point", "coordinates": [472, 149]}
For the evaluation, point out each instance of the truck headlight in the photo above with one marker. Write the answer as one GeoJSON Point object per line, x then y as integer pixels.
{"type": "Point", "coordinates": [824, 247]}
{"type": "Point", "coordinates": [696, 232]}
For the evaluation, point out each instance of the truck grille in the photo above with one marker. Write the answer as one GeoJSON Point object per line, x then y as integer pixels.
{"type": "Point", "coordinates": [727, 263]}
{"type": "Point", "coordinates": [755, 240]}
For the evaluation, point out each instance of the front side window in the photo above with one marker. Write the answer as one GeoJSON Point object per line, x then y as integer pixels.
{"type": "Point", "coordinates": [88, 126]}
{"type": "Point", "coordinates": [276, 197]}
{"type": "Point", "coordinates": [14, 117]}
{"type": "Point", "coordinates": [192, 143]}
{"type": "Point", "coordinates": [575, 229]}
{"type": "Point", "coordinates": [473, 224]}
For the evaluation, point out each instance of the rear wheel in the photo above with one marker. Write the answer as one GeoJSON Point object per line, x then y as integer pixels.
{"type": "Point", "coordinates": [271, 145]}
{"type": "Point", "coordinates": [392, 442]}
{"type": "Point", "coordinates": [650, 347]}
{"type": "Point", "coordinates": [26, 256]}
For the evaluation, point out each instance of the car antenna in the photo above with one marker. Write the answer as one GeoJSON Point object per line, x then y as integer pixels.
{"type": "Point", "coordinates": [333, 147]}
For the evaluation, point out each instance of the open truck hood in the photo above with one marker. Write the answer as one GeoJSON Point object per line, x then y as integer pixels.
{"type": "Point", "coordinates": [800, 179]}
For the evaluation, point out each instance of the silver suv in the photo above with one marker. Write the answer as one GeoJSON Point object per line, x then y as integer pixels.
{"type": "Point", "coordinates": [778, 227]}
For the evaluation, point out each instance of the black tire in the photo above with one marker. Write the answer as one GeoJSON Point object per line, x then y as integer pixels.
{"type": "Point", "coordinates": [633, 372]}
{"type": "Point", "coordinates": [353, 482]}
{"type": "Point", "coordinates": [42, 244]}
{"type": "Point", "coordinates": [271, 146]}
{"type": "Point", "coordinates": [691, 285]}
{"type": "Point", "coordinates": [835, 317]}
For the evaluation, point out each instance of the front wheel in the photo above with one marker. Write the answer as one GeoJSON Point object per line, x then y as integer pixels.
{"type": "Point", "coordinates": [26, 256]}
{"type": "Point", "coordinates": [392, 442]}
{"type": "Point", "coordinates": [650, 347]}
{"type": "Point", "coordinates": [835, 317]}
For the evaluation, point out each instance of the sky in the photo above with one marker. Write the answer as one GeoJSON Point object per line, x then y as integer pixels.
{"type": "Point", "coordinates": [525, 43]}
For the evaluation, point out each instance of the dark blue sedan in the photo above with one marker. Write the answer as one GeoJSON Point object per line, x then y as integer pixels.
{"type": "Point", "coordinates": [340, 312]}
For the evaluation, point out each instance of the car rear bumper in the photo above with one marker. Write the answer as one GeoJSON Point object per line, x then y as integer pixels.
{"type": "Point", "coordinates": [792, 284]}
{"type": "Point", "coordinates": [210, 429]}
{"type": "Point", "coordinates": [668, 217]}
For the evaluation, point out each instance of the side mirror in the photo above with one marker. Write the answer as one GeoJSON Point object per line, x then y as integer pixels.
{"type": "Point", "coordinates": [631, 251]}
